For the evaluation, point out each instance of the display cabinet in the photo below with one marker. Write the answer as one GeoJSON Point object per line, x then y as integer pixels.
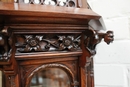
{"type": "Point", "coordinates": [48, 43]}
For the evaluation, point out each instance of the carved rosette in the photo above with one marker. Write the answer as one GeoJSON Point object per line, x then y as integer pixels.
{"type": "Point", "coordinates": [32, 43]}
{"type": "Point", "coordinates": [43, 43]}
{"type": "Point", "coordinates": [68, 42]}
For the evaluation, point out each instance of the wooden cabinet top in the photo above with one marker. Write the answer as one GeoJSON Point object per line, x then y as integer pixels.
{"type": "Point", "coordinates": [46, 11]}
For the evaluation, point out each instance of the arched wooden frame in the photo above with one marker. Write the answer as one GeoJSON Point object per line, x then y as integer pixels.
{"type": "Point", "coordinates": [53, 65]}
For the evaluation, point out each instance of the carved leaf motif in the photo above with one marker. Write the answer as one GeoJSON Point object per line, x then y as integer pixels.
{"type": "Point", "coordinates": [36, 43]}
{"type": "Point", "coordinates": [69, 42]}
{"type": "Point", "coordinates": [31, 43]}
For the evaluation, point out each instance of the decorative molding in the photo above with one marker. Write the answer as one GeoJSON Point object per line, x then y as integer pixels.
{"type": "Point", "coordinates": [41, 43]}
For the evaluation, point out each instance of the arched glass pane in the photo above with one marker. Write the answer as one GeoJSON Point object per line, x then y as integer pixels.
{"type": "Point", "coordinates": [50, 77]}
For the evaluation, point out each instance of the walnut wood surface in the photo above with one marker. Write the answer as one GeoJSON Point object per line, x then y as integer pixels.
{"type": "Point", "coordinates": [48, 11]}
{"type": "Point", "coordinates": [37, 37]}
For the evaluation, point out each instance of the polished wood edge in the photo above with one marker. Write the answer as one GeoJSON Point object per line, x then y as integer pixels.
{"type": "Point", "coordinates": [24, 56]}
{"type": "Point", "coordinates": [47, 11]}
{"type": "Point", "coordinates": [51, 60]}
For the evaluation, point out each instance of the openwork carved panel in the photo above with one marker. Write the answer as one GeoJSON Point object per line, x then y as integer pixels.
{"type": "Point", "coordinates": [39, 43]}
{"type": "Point", "coordinates": [65, 3]}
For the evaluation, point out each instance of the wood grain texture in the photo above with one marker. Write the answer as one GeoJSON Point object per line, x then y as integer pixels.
{"type": "Point", "coordinates": [35, 37]}
{"type": "Point", "coordinates": [48, 11]}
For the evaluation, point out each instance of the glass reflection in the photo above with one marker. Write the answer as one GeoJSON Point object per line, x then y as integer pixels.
{"type": "Point", "coordinates": [50, 77]}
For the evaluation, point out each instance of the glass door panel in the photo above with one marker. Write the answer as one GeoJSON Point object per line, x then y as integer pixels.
{"type": "Point", "coordinates": [50, 77]}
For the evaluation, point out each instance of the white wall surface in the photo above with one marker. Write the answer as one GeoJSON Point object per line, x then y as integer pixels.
{"type": "Point", "coordinates": [112, 62]}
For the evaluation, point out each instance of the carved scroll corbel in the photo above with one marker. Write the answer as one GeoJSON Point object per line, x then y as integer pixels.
{"type": "Point", "coordinates": [90, 39]}
{"type": "Point", "coordinates": [7, 59]}
{"type": "Point", "coordinates": [94, 37]}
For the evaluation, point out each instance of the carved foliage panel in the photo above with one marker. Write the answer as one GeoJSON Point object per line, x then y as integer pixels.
{"type": "Point", "coordinates": [50, 42]}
